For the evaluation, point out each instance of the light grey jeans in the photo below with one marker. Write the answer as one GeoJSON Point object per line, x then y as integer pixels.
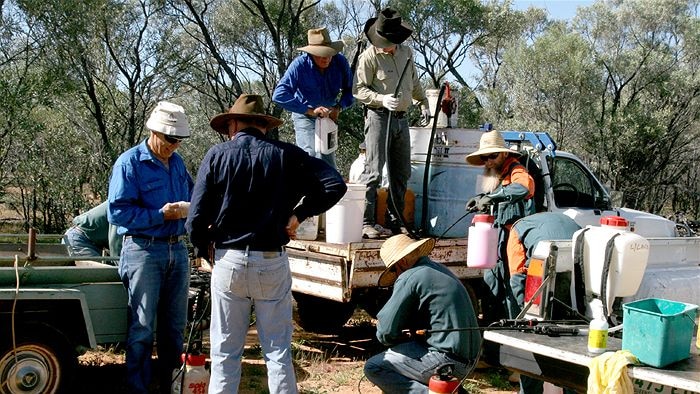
{"type": "Point", "coordinates": [239, 280]}
{"type": "Point", "coordinates": [398, 162]}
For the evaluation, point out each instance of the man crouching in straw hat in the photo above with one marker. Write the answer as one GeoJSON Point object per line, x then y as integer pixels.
{"type": "Point", "coordinates": [250, 195]}
{"type": "Point", "coordinates": [426, 295]}
{"type": "Point", "coordinates": [311, 86]}
{"type": "Point", "coordinates": [508, 186]}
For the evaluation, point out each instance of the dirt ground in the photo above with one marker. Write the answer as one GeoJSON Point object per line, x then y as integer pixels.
{"type": "Point", "coordinates": [323, 364]}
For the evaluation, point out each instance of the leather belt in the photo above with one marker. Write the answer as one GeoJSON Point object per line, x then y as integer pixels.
{"type": "Point", "coordinates": [266, 254]}
{"type": "Point", "coordinates": [397, 114]}
{"type": "Point", "coordinates": [172, 239]}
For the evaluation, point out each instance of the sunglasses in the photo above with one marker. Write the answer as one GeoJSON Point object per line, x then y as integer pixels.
{"type": "Point", "coordinates": [172, 140]}
{"type": "Point", "coordinates": [492, 156]}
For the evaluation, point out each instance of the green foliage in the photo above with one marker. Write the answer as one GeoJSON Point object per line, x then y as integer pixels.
{"type": "Point", "coordinates": [619, 86]}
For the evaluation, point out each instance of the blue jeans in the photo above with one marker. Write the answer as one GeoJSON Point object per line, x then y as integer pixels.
{"type": "Point", "coordinates": [154, 271]}
{"type": "Point", "coordinates": [407, 368]}
{"type": "Point", "coordinates": [241, 279]}
{"type": "Point", "coordinates": [398, 162]}
{"type": "Point", "coordinates": [79, 244]}
{"type": "Point", "coordinates": [305, 132]}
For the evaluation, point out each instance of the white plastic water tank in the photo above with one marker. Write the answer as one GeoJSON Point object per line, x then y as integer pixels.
{"type": "Point", "coordinates": [627, 263]}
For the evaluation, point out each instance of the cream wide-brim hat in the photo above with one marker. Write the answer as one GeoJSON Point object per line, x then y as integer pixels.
{"type": "Point", "coordinates": [320, 43]}
{"type": "Point", "coordinates": [490, 142]}
{"type": "Point", "coordinates": [401, 247]}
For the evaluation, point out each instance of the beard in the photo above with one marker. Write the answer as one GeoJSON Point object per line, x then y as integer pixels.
{"type": "Point", "coordinates": [490, 180]}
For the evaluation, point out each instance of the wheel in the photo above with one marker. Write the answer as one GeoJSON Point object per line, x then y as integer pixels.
{"type": "Point", "coordinates": [39, 363]}
{"type": "Point", "coordinates": [320, 315]}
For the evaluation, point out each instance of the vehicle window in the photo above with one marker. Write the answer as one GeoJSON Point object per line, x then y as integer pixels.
{"type": "Point", "coordinates": [572, 185]}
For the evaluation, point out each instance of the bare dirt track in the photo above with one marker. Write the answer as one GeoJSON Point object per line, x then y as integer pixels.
{"type": "Point", "coordinates": [323, 364]}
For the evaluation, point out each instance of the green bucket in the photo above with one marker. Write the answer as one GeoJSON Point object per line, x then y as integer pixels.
{"type": "Point", "coordinates": [658, 332]}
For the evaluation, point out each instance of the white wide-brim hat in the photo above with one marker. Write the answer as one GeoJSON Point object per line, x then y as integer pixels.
{"type": "Point", "coordinates": [169, 119]}
{"type": "Point", "coordinates": [490, 142]}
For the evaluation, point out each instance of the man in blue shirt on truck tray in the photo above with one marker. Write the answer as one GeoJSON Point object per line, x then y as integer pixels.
{"type": "Point", "coordinates": [317, 84]}
{"type": "Point", "coordinates": [148, 200]}
{"type": "Point", "coordinates": [426, 296]}
{"type": "Point", "coordinates": [246, 204]}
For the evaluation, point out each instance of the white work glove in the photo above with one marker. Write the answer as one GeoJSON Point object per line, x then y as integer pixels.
{"type": "Point", "coordinates": [390, 102]}
{"type": "Point", "coordinates": [425, 116]}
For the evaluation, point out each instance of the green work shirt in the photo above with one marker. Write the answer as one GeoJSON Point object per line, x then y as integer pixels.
{"type": "Point", "coordinates": [429, 296]}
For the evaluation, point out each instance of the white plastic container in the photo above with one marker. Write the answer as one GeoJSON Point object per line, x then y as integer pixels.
{"type": "Point", "coordinates": [628, 260]}
{"type": "Point", "coordinates": [597, 336]}
{"type": "Point", "coordinates": [432, 95]}
{"type": "Point", "coordinates": [308, 229]}
{"type": "Point", "coordinates": [196, 379]}
{"type": "Point", "coordinates": [482, 242]}
{"type": "Point", "coordinates": [344, 219]}
{"type": "Point", "coordinates": [326, 136]}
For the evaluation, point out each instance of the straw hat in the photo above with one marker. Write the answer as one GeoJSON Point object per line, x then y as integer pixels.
{"type": "Point", "coordinates": [401, 247]}
{"type": "Point", "coordinates": [169, 119]}
{"type": "Point", "coordinates": [247, 106]}
{"type": "Point", "coordinates": [320, 43]}
{"type": "Point", "coordinates": [387, 29]}
{"type": "Point", "coordinates": [490, 142]}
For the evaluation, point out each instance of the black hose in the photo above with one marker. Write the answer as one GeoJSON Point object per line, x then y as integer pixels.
{"type": "Point", "coordinates": [426, 171]}
{"type": "Point", "coordinates": [387, 150]}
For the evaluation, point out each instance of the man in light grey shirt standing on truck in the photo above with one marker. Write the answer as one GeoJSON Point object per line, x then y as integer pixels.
{"type": "Point", "coordinates": [376, 82]}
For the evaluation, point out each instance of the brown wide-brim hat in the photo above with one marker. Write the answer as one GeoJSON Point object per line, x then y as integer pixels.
{"type": "Point", "coordinates": [247, 106]}
{"type": "Point", "coordinates": [320, 43]}
{"type": "Point", "coordinates": [387, 29]}
{"type": "Point", "coordinates": [490, 142]}
{"type": "Point", "coordinates": [401, 247]}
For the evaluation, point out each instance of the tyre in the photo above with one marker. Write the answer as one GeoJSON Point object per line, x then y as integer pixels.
{"type": "Point", "coordinates": [41, 362]}
{"type": "Point", "coordinates": [320, 315]}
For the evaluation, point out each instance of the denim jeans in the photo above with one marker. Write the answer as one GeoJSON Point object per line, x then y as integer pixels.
{"type": "Point", "coordinates": [305, 132]}
{"type": "Point", "coordinates": [154, 271]}
{"type": "Point", "coordinates": [241, 279]}
{"type": "Point", "coordinates": [79, 244]}
{"type": "Point", "coordinates": [407, 368]}
{"type": "Point", "coordinates": [398, 162]}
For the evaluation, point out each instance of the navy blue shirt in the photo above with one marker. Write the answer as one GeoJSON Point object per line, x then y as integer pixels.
{"type": "Point", "coordinates": [247, 189]}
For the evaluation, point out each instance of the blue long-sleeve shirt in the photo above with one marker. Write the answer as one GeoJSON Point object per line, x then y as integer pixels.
{"type": "Point", "coordinates": [139, 187]}
{"type": "Point", "coordinates": [247, 189]}
{"type": "Point", "coordinates": [303, 86]}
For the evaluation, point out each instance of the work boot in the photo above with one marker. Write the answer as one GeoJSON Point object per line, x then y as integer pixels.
{"type": "Point", "coordinates": [383, 231]}
{"type": "Point", "coordinates": [368, 231]}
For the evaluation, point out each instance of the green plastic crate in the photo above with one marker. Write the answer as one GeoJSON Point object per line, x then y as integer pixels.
{"type": "Point", "coordinates": [659, 332]}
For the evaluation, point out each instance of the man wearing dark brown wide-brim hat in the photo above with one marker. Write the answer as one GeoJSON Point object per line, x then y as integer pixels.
{"type": "Point", "coordinates": [250, 195]}
{"type": "Point", "coordinates": [426, 295]}
{"type": "Point", "coordinates": [248, 108]}
{"type": "Point", "coordinates": [376, 85]}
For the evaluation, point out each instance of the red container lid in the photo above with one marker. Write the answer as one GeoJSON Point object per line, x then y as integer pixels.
{"type": "Point", "coordinates": [614, 221]}
{"type": "Point", "coordinates": [195, 360]}
{"type": "Point", "coordinates": [482, 218]}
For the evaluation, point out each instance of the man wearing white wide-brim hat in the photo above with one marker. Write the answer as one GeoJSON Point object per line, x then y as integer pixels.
{"type": "Point", "coordinates": [149, 194]}
{"type": "Point", "coordinates": [317, 84]}
{"type": "Point", "coordinates": [426, 296]}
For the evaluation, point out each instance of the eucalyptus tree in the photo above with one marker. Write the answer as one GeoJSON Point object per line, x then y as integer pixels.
{"type": "Point", "coordinates": [646, 114]}
{"type": "Point", "coordinates": [551, 84]}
